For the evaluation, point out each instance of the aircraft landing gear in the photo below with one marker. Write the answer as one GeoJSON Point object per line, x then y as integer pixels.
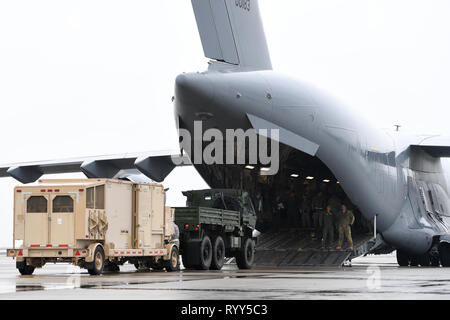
{"type": "Point", "coordinates": [444, 253]}
{"type": "Point", "coordinates": [425, 260]}
{"type": "Point", "coordinates": [402, 259]}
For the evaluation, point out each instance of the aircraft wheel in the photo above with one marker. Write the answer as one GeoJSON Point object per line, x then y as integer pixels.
{"type": "Point", "coordinates": [205, 254]}
{"type": "Point", "coordinates": [218, 257]}
{"type": "Point", "coordinates": [246, 256]}
{"type": "Point", "coordinates": [444, 254]}
{"type": "Point", "coordinates": [435, 261]}
{"type": "Point", "coordinates": [414, 262]}
{"type": "Point", "coordinates": [402, 258]}
{"type": "Point", "coordinates": [424, 260]}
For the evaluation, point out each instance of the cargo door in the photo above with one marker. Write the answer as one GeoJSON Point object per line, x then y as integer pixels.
{"type": "Point", "coordinates": [143, 212]}
{"type": "Point", "coordinates": [36, 220]}
{"type": "Point", "coordinates": [62, 219]}
{"type": "Point", "coordinates": [157, 216]}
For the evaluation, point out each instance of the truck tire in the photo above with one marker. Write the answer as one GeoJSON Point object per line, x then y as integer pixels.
{"type": "Point", "coordinates": [174, 262]}
{"type": "Point", "coordinates": [96, 267]}
{"type": "Point", "coordinates": [191, 255]}
{"type": "Point", "coordinates": [24, 269]}
{"type": "Point", "coordinates": [218, 257]}
{"type": "Point", "coordinates": [187, 265]}
{"type": "Point", "coordinates": [246, 255]}
{"type": "Point", "coordinates": [205, 254]}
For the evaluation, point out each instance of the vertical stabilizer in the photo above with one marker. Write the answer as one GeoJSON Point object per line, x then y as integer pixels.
{"type": "Point", "coordinates": [232, 31]}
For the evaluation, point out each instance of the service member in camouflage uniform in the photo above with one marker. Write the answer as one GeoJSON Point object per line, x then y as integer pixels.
{"type": "Point", "coordinates": [318, 206]}
{"type": "Point", "coordinates": [305, 212]}
{"type": "Point", "coordinates": [345, 219]}
{"type": "Point", "coordinates": [328, 227]}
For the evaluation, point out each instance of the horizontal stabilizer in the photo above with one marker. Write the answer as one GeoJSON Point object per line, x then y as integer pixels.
{"type": "Point", "coordinates": [436, 151]}
{"type": "Point", "coordinates": [435, 146]}
{"type": "Point", "coordinates": [232, 31]}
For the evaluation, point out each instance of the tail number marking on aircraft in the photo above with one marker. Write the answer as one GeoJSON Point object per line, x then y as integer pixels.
{"type": "Point", "coordinates": [243, 4]}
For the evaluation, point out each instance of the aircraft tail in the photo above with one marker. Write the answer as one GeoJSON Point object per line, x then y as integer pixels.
{"type": "Point", "coordinates": [232, 31]}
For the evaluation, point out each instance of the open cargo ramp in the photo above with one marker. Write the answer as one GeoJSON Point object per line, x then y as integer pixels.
{"type": "Point", "coordinates": [295, 247]}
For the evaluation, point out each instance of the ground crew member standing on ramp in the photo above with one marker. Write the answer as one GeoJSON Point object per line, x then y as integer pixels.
{"type": "Point", "coordinates": [345, 219]}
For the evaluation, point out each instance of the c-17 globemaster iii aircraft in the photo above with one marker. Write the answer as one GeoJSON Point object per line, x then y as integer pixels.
{"type": "Point", "coordinates": [397, 181]}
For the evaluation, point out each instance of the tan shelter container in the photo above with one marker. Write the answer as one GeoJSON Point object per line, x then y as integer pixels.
{"type": "Point", "coordinates": [96, 224]}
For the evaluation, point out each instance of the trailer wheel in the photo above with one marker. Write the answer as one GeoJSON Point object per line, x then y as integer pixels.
{"type": "Point", "coordinates": [98, 264]}
{"type": "Point", "coordinates": [174, 262]}
{"type": "Point", "coordinates": [24, 269]}
{"type": "Point", "coordinates": [205, 254]}
{"type": "Point", "coordinates": [246, 256]}
{"type": "Point", "coordinates": [218, 257]}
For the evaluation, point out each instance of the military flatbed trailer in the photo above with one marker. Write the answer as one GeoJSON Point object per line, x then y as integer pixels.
{"type": "Point", "coordinates": [216, 224]}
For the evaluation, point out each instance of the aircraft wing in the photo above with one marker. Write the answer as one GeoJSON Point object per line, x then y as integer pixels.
{"type": "Point", "coordinates": [435, 146]}
{"type": "Point", "coordinates": [155, 165]}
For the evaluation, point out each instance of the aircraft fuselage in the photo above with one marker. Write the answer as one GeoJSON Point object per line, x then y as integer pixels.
{"type": "Point", "coordinates": [379, 174]}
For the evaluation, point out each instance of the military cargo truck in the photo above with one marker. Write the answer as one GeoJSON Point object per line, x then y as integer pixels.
{"type": "Point", "coordinates": [216, 223]}
{"type": "Point", "coordinates": [97, 224]}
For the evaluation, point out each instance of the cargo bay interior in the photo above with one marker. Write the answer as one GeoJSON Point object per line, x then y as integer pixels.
{"type": "Point", "coordinates": [287, 239]}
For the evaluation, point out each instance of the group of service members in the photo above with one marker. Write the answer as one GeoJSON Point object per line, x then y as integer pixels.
{"type": "Point", "coordinates": [321, 213]}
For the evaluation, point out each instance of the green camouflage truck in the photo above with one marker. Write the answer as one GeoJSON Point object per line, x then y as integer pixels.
{"type": "Point", "coordinates": [216, 223]}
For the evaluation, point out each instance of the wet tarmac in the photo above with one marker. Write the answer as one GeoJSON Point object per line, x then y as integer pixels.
{"type": "Point", "coordinates": [373, 277]}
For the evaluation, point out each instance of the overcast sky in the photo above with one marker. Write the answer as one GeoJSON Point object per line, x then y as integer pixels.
{"type": "Point", "coordinates": [80, 78]}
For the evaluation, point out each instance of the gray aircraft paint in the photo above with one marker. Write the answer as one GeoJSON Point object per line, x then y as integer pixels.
{"type": "Point", "coordinates": [384, 174]}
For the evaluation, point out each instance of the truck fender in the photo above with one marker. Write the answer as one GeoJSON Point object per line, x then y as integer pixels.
{"type": "Point", "coordinates": [91, 250]}
{"type": "Point", "coordinates": [169, 250]}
